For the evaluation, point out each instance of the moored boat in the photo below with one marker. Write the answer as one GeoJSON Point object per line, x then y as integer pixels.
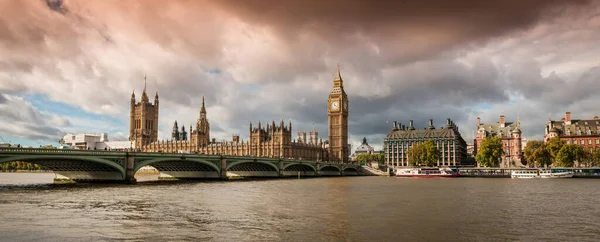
{"type": "Point", "coordinates": [426, 172]}
{"type": "Point", "coordinates": [541, 173]}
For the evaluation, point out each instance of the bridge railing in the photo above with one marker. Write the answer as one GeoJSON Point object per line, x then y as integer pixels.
{"type": "Point", "coordinates": [61, 151]}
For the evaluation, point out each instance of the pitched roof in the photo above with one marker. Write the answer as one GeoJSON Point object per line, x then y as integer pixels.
{"type": "Point", "coordinates": [583, 125]}
{"type": "Point", "coordinates": [494, 129]}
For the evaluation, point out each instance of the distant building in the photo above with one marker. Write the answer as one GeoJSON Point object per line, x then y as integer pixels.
{"type": "Point", "coordinates": [585, 132]}
{"type": "Point", "coordinates": [95, 142]}
{"type": "Point", "coordinates": [448, 140]}
{"type": "Point", "coordinates": [364, 148]}
{"type": "Point", "coordinates": [471, 149]}
{"type": "Point", "coordinates": [508, 132]}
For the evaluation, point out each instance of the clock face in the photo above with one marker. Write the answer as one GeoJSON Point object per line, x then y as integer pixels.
{"type": "Point", "coordinates": [335, 105]}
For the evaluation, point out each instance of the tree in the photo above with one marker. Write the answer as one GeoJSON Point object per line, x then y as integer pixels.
{"type": "Point", "coordinates": [553, 146]}
{"type": "Point", "coordinates": [568, 154]}
{"type": "Point", "coordinates": [426, 154]}
{"type": "Point", "coordinates": [536, 154]}
{"type": "Point", "coordinates": [595, 157]}
{"type": "Point", "coordinates": [490, 153]}
{"type": "Point", "coordinates": [381, 158]}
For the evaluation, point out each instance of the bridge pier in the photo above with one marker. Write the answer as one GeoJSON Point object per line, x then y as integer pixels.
{"type": "Point", "coordinates": [223, 172]}
{"type": "Point", "coordinates": [280, 168]}
{"type": "Point", "coordinates": [129, 168]}
{"type": "Point", "coordinates": [318, 171]}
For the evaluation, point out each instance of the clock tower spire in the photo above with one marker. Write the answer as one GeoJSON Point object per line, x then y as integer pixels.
{"type": "Point", "coordinates": [338, 121]}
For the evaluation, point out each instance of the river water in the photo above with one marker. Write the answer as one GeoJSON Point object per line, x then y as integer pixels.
{"type": "Point", "coordinates": [317, 209]}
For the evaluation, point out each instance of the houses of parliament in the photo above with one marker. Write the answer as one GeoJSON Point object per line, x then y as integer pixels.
{"type": "Point", "coordinates": [265, 140]}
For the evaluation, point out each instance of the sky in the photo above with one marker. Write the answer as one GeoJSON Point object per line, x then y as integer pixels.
{"type": "Point", "coordinates": [71, 66]}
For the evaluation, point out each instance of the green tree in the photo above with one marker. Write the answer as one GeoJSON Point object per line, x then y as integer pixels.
{"type": "Point", "coordinates": [536, 154]}
{"type": "Point", "coordinates": [381, 158]}
{"type": "Point", "coordinates": [362, 158]}
{"type": "Point", "coordinates": [426, 154]}
{"type": "Point", "coordinates": [595, 157]}
{"type": "Point", "coordinates": [553, 146]}
{"type": "Point", "coordinates": [490, 153]}
{"type": "Point", "coordinates": [568, 154]}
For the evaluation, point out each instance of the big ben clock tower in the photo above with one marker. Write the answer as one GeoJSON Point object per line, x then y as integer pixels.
{"type": "Point", "coordinates": [338, 121]}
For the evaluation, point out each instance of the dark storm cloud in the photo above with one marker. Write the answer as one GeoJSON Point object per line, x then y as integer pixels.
{"type": "Point", "coordinates": [407, 30]}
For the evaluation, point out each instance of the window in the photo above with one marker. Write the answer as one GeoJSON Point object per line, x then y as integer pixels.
{"type": "Point", "coordinates": [568, 142]}
{"type": "Point", "coordinates": [589, 141]}
{"type": "Point", "coordinates": [597, 141]}
{"type": "Point", "coordinates": [582, 142]}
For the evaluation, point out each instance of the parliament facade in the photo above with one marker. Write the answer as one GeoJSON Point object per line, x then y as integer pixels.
{"type": "Point", "coordinates": [452, 147]}
{"type": "Point", "coordinates": [272, 140]}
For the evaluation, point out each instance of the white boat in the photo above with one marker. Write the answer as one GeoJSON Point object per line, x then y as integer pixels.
{"type": "Point", "coordinates": [541, 173]}
{"type": "Point", "coordinates": [426, 172]}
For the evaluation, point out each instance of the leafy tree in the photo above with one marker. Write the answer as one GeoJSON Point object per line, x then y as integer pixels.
{"type": "Point", "coordinates": [536, 154]}
{"type": "Point", "coordinates": [381, 158]}
{"type": "Point", "coordinates": [553, 146]}
{"type": "Point", "coordinates": [568, 154]}
{"type": "Point", "coordinates": [595, 157]}
{"type": "Point", "coordinates": [426, 154]}
{"type": "Point", "coordinates": [490, 153]}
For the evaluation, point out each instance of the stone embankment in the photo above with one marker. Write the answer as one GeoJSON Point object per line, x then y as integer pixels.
{"type": "Point", "coordinates": [370, 171]}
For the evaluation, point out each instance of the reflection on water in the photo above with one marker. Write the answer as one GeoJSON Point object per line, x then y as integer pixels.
{"type": "Point", "coordinates": [320, 209]}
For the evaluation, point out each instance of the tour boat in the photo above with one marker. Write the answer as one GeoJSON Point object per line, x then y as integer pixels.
{"type": "Point", "coordinates": [541, 173]}
{"type": "Point", "coordinates": [426, 172]}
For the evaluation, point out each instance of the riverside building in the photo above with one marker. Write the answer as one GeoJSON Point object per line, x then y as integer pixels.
{"type": "Point", "coordinates": [509, 133]}
{"type": "Point", "coordinates": [452, 147]}
{"type": "Point", "coordinates": [585, 132]}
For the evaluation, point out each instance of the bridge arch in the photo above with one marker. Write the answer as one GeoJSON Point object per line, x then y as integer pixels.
{"type": "Point", "coordinates": [299, 164]}
{"type": "Point", "coordinates": [350, 169]}
{"type": "Point", "coordinates": [37, 159]}
{"type": "Point", "coordinates": [154, 161]}
{"type": "Point", "coordinates": [235, 163]}
{"type": "Point", "coordinates": [329, 168]}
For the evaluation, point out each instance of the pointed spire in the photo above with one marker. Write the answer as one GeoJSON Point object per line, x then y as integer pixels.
{"type": "Point", "coordinates": [144, 83]}
{"type": "Point", "coordinates": [203, 108]}
{"type": "Point", "coordinates": [338, 77]}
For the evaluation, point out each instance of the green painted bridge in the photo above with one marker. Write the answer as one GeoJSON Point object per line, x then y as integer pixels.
{"type": "Point", "coordinates": [86, 165]}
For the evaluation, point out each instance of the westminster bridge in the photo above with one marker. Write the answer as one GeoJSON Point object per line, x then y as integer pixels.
{"type": "Point", "coordinates": [87, 165]}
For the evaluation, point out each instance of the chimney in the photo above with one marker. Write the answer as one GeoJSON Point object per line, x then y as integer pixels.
{"type": "Point", "coordinates": [410, 126]}
{"type": "Point", "coordinates": [568, 116]}
{"type": "Point", "coordinates": [395, 125]}
{"type": "Point", "coordinates": [502, 121]}
{"type": "Point", "coordinates": [478, 122]}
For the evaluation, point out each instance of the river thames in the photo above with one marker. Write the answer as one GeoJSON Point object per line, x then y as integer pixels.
{"type": "Point", "coordinates": [318, 209]}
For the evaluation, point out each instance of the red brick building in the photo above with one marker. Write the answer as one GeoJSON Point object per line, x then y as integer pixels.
{"type": "Point", "coordinates": [585, 132]}
{"type": "Point", "coordinates": [509, 133]}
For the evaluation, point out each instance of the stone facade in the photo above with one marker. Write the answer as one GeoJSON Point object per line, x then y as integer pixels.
{"type": "Point", "coordinates": [448, 140]}
{"type": "Point", "coordinates": [510, 134]}
{"type": "Point", "coordinates": [270, 140]}
{"type": "Point", "coordinates": [585, 132]}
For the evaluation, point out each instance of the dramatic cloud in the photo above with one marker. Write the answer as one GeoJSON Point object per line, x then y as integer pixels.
{"type": "Point", "coordinates": [20, 119]}
{"type": "Point", "coordinates": [264, 60]}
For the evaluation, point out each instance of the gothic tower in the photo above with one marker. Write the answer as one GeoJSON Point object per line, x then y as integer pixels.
{"type": "Point", "coordinates": [338, 121]}
{"type": "Point", "coordinates": [143, 119]}
{"type": "Point", "coordinates": [200, 136]}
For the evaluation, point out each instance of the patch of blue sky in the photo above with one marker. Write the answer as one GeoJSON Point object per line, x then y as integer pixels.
{"type": "Point", "coordinates": [44, 104]}
{"type": "Point", "coordinates": [482, 106]}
